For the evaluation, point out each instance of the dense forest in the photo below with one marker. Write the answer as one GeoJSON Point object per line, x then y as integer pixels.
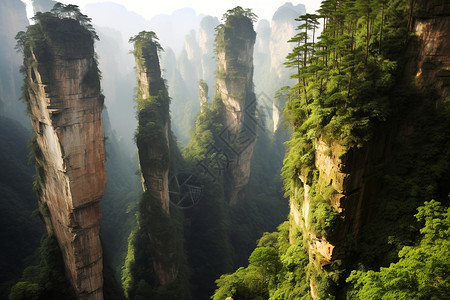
{"type": "Point", "coordinates": [343, 195]}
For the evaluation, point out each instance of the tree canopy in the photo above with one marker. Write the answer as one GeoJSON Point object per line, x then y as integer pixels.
{"type": "Point", "coordinates": [146, 37]}
{"type": "Point", "coordinates": [423, 270]}
{"type": "Point", "coordinates": [50, 20]}
{"type": "Point", "coordinates": [238, 11]}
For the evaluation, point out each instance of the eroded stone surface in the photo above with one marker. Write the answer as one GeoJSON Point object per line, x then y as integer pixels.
{"type": "Point", "coordinates": [66, 114]}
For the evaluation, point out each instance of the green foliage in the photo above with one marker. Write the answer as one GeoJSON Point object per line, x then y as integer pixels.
{"type": "Point", "coordinates": [155, 265]}
{"type": "Point", "coordinates": [48, 279]}
{"type": "Point", "coordinates": [146, 49]}
{"type": "Point", "coordinates": [276, 270]}
{"type": "Point", "coordinates": [239, 12]}
{"type": "Point", "coordinates": [422, 271]}
{"type": "Point", "coordinates": [152, 134]}
{"type": "Point", "coordinates": [155, 248]}
{"type": "Point", "coordinates": [65, 25]}
{"type": "Point", "coordinates": [351, 89]}
{"type": "Point", "coordinates": [21, 226]}
{"type": "Point", "coordinates": [323, 218]}
{"type": "Point", "coordinates": [344, 79]}
{"type": "Point", "coordinates": [208, 125]}
{"type": "Point", "coordinates": [70, 11]}
{"type": "Point", "coordinates": [63, 30]}
{"type": "Point", "coordinates": [219, 236]}
{"type": "Point", "coordinates": [144, 38]}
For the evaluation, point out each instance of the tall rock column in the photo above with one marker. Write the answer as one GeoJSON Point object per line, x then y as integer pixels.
{"type": "Point", "coordinates": [152, 138]}
{"type": "Point", "coordinates": [234, 44]}
{"type": "Point", "coordinates": [62, 91]}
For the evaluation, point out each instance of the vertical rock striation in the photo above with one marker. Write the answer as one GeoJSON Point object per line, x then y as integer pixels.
{"type": "Point", "coordinates": [234, 44]}
{"type": "Point", "coordinates": [62, 89]}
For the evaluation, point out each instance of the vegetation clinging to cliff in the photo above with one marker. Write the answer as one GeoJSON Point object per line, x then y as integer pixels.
{"type": "Point", "coordinates": [64, 30]}
{"type": "Point", "coordinates": [344, 79]}
{"type": "Point", "coordinates": [61, 12]}
{"type": "Point", "coordinates": [152, 101]}
{"type": "Point", "coordinates": [155, 265]}
{"type": "Point", "coordinates": [47, 280]}
{"type": "Point", "coordinates": [277, 270]}
{"type": "Point", "coordinates": [236, 31]}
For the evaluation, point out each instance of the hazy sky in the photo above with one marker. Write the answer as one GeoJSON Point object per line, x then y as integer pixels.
{"type": "Point", "coordinates": [148, 8]}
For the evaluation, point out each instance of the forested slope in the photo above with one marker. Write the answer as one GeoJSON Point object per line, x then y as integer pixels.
{"type": "Point", "coordinates": [370, 119]}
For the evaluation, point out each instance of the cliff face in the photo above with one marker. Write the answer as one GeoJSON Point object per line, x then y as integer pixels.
{"type": "Point", "coordinates": [65, 107]}
{"type": "Point", "coordinates": [357, 174]}
{"type": "Point", "coordinates": [235, 42]}
{"type": "Point", "coordinates": [355, 177]}
{"type": "Point", "coordinates": [430, 61]}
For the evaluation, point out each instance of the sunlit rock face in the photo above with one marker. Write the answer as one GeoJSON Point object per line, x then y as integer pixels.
{"type": "Point", "coordinates": [235, 43]}
{"type": "Point", "coordinates": [65, 107]}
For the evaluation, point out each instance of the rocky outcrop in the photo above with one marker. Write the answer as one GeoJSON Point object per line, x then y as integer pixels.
{"type": "Point", "coordinates": [65, 107]}
{"type": "Point", "coordinates": [353, 175]}
{"type": "Point", "coordinates": [234, 43]}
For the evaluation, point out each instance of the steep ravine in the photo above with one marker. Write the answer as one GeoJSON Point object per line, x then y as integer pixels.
{"type": "Point", "coordinates": [65, 107]}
